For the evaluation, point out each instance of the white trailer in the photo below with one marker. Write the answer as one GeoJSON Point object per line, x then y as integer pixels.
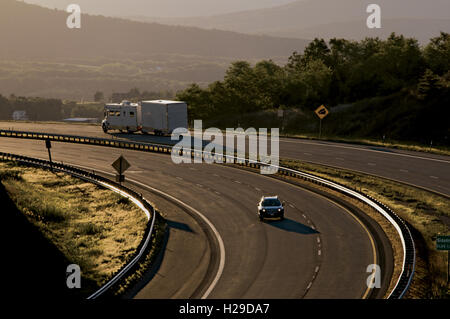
{"type": "Point", "coordinates": [162, 116]}
{"type": "Point", "coordinates": [121, 117]}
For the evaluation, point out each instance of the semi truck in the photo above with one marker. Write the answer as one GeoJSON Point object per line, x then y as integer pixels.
{"type": "Point", "coordinates": [122, 117]}
{"type": "Point", "coordinates": [159, 116]}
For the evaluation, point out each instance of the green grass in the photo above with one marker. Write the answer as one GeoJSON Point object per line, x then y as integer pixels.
{"type": "Point", "coordinates": [426, 212]}
{"type": "Point", "coordinates": [401, 145]}
{"type": "Point", "coordinates": [93, 227]}
{"type": "Point", "coordinates": [140, 270]}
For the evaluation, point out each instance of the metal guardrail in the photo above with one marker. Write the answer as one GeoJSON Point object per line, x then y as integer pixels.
{"type": "Point", "coordinates": [148, 147]}
{"type": "Point", "coordinates": [409, 255]}
{"type": "Point", "coordinates": [102, 181]}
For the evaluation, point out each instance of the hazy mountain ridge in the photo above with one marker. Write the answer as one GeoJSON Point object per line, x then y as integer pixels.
{"type": "Point", "coordinates": [162, 8]}
{"type": "Point", "coordinates": [307, 18]}
{"type": "Point", "coordinates": [421, 29]}
{"type": "Point", "coordinates": [33, 31]}
{"type": "Point", "coordinates": [40, 56]}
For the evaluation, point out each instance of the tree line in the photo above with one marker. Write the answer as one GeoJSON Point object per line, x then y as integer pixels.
{"type": "Point", "coordinates": [48, 109]}
{"type": "Point", "coordinates": [37, 109]}
{"type": "Point", "coordinates": [332, 73]}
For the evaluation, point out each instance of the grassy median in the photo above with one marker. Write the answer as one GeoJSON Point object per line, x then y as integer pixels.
{"type": "Point", "coordinates": [93, 227]}
{"type": "Point", "coordinates": [427, 213]}
{"type": "Point", "coordinates": [400, 145]}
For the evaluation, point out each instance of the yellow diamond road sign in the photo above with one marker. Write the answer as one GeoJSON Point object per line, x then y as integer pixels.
{"type": "Point", "coordinates": [121, 165]}
{"type": "Point", "coordinates": [322, 112]}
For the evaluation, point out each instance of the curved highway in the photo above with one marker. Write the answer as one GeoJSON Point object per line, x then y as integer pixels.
{"type": "Point", "coordinates": [320, 251]}
{"type": "Point", "coordinates": [425, 170]}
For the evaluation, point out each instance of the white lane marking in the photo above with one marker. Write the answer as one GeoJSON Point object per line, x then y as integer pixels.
{"type": "Point", "coordinates": [257, 189]}
{"type": "Point", "coordinates": [368, 150]}
{"type": "Point", "coordinates": [404, 170]}
{"type": "Point", "coordinates": [319, 252]}
{"type": "Point", "coordinates": [216, 175]}
{"type": "Point", "coordinates": [318, 240]}
{"type": "Point", "coordinates": [339, 158]}
{"type": "Point", "coordinates": [200, 185]}
{"type": "Point", "coordinates": [217, 192]}
{"type": "Point", "coordinates": [238, 182]}
{"type": "Point", "coordinates": [290, 205]}
{"type": "Point", "coordinates": [214, 230]}
{"type": "Point", "coordinates": [309, 286]}
{"type": "Point", "coordinates": [371, 164]}
{"type": "Point", "coordinates": [304, 216]}
{"type": "Point", "coordinates": [180, 178]}
{"type": "Point", "coordinates": [317, 269]}
{"type": "Point", "coordinates": [307, 154]}
{"type": "Point", "coordinates": [434, 177]}
{"type": "Point", "coordinates": [205, 219]}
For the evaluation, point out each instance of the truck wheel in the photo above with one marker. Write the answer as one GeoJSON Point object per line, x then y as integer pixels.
{"type": "Point", "coordinates": [261, 218]}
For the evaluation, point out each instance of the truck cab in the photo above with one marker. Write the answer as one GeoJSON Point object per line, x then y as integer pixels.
{"type": "Point", "coordinates": [122, 117]}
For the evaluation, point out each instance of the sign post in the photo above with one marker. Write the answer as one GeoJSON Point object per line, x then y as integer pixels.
{"type": "Point", "coordinates": [443, 243]}
{"type": "Point", "coordinates": [281, 116]}
{"type": "Point", "coordinates": [120, 165]}
{"type": "Point", "coordinates": [48, 145]}
{"type": "Point", "coordinates": [321, 112]}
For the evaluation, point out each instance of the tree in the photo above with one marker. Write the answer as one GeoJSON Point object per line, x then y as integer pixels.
{"type": "Point", "coordinates": [197, 101]}
{"type": "Point", "coordinates": [99, 96]}
{"type": "Point", "coordinates": [270, 82]}
{"type": "Point", "coordinates": [317, 50]}
{"type": "Point", "coordinates": [430, 85]}
{"type": "Point", "coordinates": [240, 84]}
{"type": "Point", "coordinates": [437, 54]}
{"type": "Point", "coordinates": [5, 108]}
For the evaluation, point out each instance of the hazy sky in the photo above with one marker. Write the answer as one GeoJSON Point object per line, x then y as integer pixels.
{"type": "Point", "coordinates": [162, 8]}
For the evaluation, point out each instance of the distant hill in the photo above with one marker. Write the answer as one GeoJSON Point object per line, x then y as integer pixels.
{"type": "Point", "coordinates": [162, 8]}
{"type": "Point", "coordinates": [30, 31]}
{"type": "Point", "coordinates": [421, 29]}
{"type": "Point", "coordinates": [329, 18]}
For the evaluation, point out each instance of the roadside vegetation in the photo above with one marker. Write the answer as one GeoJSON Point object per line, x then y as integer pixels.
{"type": "Point", "coordinates": [394, 144]}
{"type": "Point", "coordinates": [392, 90]}
{"type": "Point", "coordinates": [428, 215]}
{"type": "Point", "coordinates": [93, 227]}
{"type": "Point", "coordinates": [48, 109]}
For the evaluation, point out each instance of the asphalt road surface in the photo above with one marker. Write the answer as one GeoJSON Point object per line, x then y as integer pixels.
{"type": "Point", "coordinates": [421, 169]}
{"type": "Point", "coordinates": [319, 251]}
